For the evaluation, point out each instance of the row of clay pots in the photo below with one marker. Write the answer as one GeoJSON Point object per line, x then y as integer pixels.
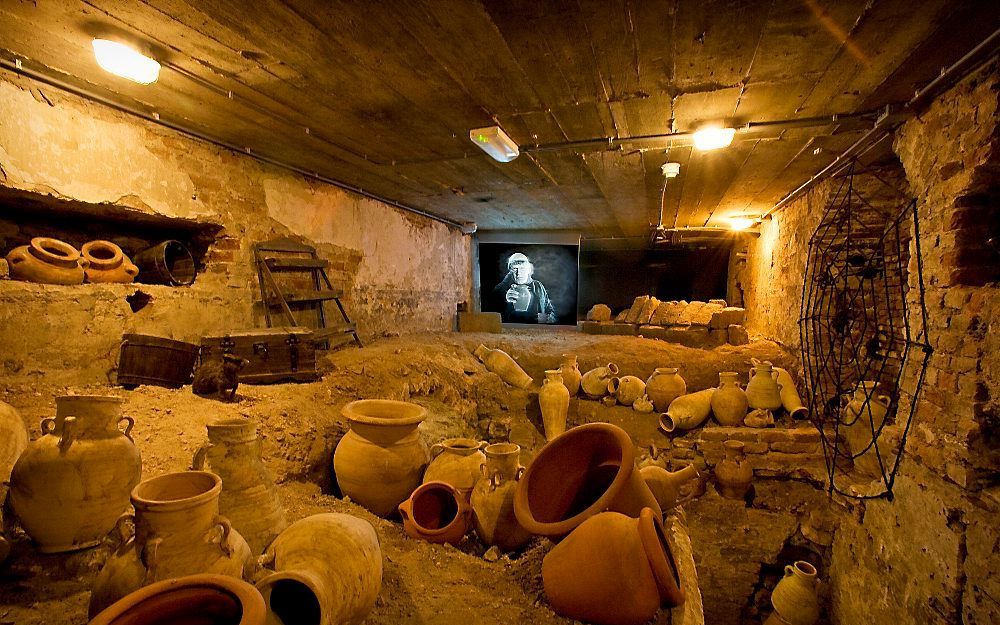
{"type": "Point", "coordinates": [51, 261]}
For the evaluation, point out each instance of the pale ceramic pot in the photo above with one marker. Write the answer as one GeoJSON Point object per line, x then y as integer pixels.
{"type": "Point", "coordinates": [381, 459]}
{"type": "Point", "coordinates": [205, 599]}
{"type": "Point", "coordinates": [47, 261]}
{"type": "Point", "coordinates": [790, 399]}
{"type": "Point", "coordinates": [437, 513]}
{"type": "Point", "coordinates": [759, 418]}
{"type": "Point", "coordinates": [571, 375]}
{"type": "Point", "coordinates": [664, 386]}
{"type": "Point", "coordinates": [643, 405]}
{"type": "Point", "coordinates": [501, 363]}
{"type": "Point", "coordinates": [670, 488]}
{"type": "Point", "coordinates": [70, 486]}
{"type": "Point", "coordinates": [13, 442]}
{"type": "Point", "coordinates": [107, 263]}
{"type": "Point", "coordinates": [493, 499]}
{"type": "Point", "coordinates": [458, 462]}
{"type": "Point", "coordinates": [729, 403]}
{"type": "Point", "coordinates": [733, 473]}
{"type": "Point", "coordinates": [249, 498]}
{"type": "Point", "coordinates": [594, 383]}
{"type": "Point", "coordinates": [325, 569]}
{"type": "Point", "coordinates": [864, 415]}
{"type": "Point", "coordinates": [553, 399]}
{"type": "Point", "coordinates": [626, 389]}
{"type": "Point", "coordinates": [178, 531]}
{"type": "Point", "coordinates": [795, 598]}
{"type": "Point", "coordinates": [687, 411]}
{"type": "Point", "coordinates": [762, 390]}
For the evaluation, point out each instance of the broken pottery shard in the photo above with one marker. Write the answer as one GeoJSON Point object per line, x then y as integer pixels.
{"type": "Point", "coordinates": [633, 314]}
{"type": "Point", "coordinates": [599, 312]}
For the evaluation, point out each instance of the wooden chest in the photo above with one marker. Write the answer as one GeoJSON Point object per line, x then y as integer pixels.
{"type": "Point", "coordinates": [275, 354]}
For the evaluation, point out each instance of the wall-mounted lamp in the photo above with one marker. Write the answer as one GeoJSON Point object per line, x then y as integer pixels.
{"type": "Point", "coordinates": [713, 137]}
{"type": "Point", "coordinates": [122, 60]}
{"type": "Point", "coordinates": [495, 142]}
{"type": "Point", "coordinates": [742, 222]}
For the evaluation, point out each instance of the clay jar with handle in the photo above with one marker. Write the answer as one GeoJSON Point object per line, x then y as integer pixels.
{"type": "Point", "coordinates": [204, 599]}
{"type": "Point", "coordinates": [13, 441]}
{"type": "Point", "coordinates": [864, 417]}
{"type": "Point", "coordinates": [457, 461]}
{"type": "Point", "coordinates": [437, 513]}
{"type": "Point", "coordinates": [381, 459]}
{"type": "Point", "coordinates": [70, 485]}
{"type": "Point", "coordinates": [795, 598]}
{"type": "Point", "coordinates": [762, 390]}
{"type": "Point", "coordinates": [729, 403]}
{"type": "Point", "coordinates": [553, 399]}
{"type": "Point", "coordinates": [626, 389]}
{"type": "Point", "coordinates": [733, 473]}
{"type": "Point", "coordinates": [47, 261]}
{"type": "Point", "coordinates": [790, 399]}
{"type": "Point", "coordinates": [493, 498]}
{"type": "Point", "coordinates": [670, 487]}
{"type": "Point", "coordinates": [687, 411]}
{"type": "Point", "coordinates": [588, 470]}
{"type": "Point", "coordinates": [595, 382]}
{"type": "Point", "coordinates": [325, 569]}
{"type": "Point", "coordinates": [571, 374]}
{"type": "Point", "coordinates": [664, 386]}
{"type": "Point", "coordinates": [178, 531]}
{"type": "Point", "coordinates": [501, 363]}
{"type": "Point", "coordinates": [612, 570]}
{"type": "Point", "coordinates": [249, 498]}
{"type": "Point", "coordinates": [107, 263]}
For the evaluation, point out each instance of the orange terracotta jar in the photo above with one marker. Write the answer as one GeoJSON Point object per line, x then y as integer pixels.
{"type": "Point", "coordinates": [437, 513]}
{"type": "Point", "coordinates": [107, 263]}
{"type": "Point", "coordinates": [206, 599]}
{"type": "Point", "coordinates": [47, 261]}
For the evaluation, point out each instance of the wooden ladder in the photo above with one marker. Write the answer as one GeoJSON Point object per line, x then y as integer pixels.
{"type": "Point", "coordinates": [288, 256]}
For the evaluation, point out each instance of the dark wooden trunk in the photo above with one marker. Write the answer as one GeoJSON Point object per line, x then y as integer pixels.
{"type": "Point", "coordinates": [274, 354]}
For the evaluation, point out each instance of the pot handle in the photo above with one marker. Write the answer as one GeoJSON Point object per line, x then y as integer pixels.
{"type": "Point", "coordinates": [124, 533]}
{"type": "Point", "coordinates": [47, 421]}
{"type": "Point", "coordinates": [149, 558]}
{"type": "Point", "coordinates": [200, 457]}
{"type": "Point", "coordinates": [66, 436]}
{"type": "Point", "coordinates": [789, 570]}
{"type": "Point", "coordinates": [405, 509]}
{"type": "Point", "coordinates": [436, 449]}
{"type": "Point", "coordinates": [885, 399]}
{"type": "Point", "coordinates": [483, 445]}
{"type": "Point", "coordinates": [129, 424]}
{"type": "Point", "coordinates": [227, 529]}
{"type": "Point", "coordinates": [519, 474]}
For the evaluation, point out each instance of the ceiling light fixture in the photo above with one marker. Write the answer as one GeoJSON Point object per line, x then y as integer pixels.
{"type": "Point", "coordinates": [495, 142]}
{"type": "Point", "coordinates": [125, 61]}
{"type": "Point", "coordinates": [713, 137]}
{"type": "Point", "coordinates": [741, 222]}
{"type": "Point", "coordinates": [671, 170]}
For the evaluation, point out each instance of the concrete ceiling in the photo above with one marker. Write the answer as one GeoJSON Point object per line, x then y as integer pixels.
{"type": "Point", "coordinates": [389, 90]}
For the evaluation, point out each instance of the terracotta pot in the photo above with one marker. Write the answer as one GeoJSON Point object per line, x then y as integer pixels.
{"type": "Point", "coordinates": [178, 531]}
{"type": "Point", "coordinates": [762, 390]}
{"type": "Point", "coordinates": [47, 261]}
{"type": "Point", "coordinates": [493, 499]}
{"type": "Point", "coordinates": [670, 488]}
{"type": "Point", "coordinates": [794, 598]}
{"type": "Point", "coordinates": [626, 389]}
{"type": "Point", "coordinates": [194, 599]}
{"type": "Point", "coordinates": [588, 470]}
{"type": "Point", "coordinates": [249, 498]}
{"type": "Point", "coordinates": [327, 570]}
{"type": "Point", "coordinates": [501, 363]}
{"type": "Point", "coordinates": [594, 383]}
{"type": "Point", "coordinates": [790, 399]}
{"type": "Point", "coordinates": [643, 405]}
{"type": "Point", "coordinates": [437, 513]}
{"type": "Point", "coordinates": [729, 403]}
{"type": "Point", "coordinates": [553, 399]}
{"type": "Point", "coordinates": [759, 418]}
{"type": "Point", "coordinates": [457, 461]}
{"type": "Point", "coordinates": [687, 411]}
{"type": "Point", "coordinates": [107, 263]}
{"type": "Point", "coordinates": [13, 441]}
{"type": "Point", "coordinates": [612, 570]}
{"type": "Point", "coordinates": [571, 374]}
{"type": "Point", "coordinates": [733, 473]}
{"type": "Point", "coordinates": [70, 485]}
{"type": "Point", "coordinates": [664, 386]}
{"type": "Point", "coordinates": [381, 459]}
{"type": "Point", "coordinates": [864, 417]}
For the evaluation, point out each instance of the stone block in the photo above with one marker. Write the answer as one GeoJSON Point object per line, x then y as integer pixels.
{"type": "Point", "coordinates": [718, 302]}
{"type": "Point", "coordinates": [717, 337]}
{"type": "Point", "coordinates": [703, 315]}
{"type": "Point", "coordinates": [795, 448]}
{"type": "Point", "coordinates": [590, 327]}
{"type": "Point", "coordinates": [647, 311]}
{"type": "Point", "coordinates": [688, 312]}
{"type": "Point", "coordinates": [637, 305]}
{"type": "Point", "coordinates": [620, 317]}
{"type": "Point", "coordinates": [619, 329]}
{"type": "Point", "coordinates": [738, 335]}
{"type": "Point", "coordinates": [599, 312]}
{"type": "Point", "coordinates": [480, 322]}
{"type": "Point", "coordinates": [722, 319]}
{"type": "Point", "coordinates": [688, 336]}
{"type": "Point", "coordinates": [668, 313]}
{"type": "Point", "coordinates": [653, 332]}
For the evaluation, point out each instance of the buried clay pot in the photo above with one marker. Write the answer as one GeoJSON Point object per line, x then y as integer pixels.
{"type": "Point", "coordinates": [47, 261]}
{"type": "Point", "coordinates": [588, 470]}
{"type": "Point", "coordinates": [437, 513]}
{"type": "Point", "coordinates": [626, 389]}
{"type": "Point", "coordinates": [502, 364]}
{"type": "Point", "coordinates": [670, 487]}
{"type": "Point", "coordinates": [553, 400]}
{"type": "Point", "coordinates": [734, 473]}
{"type": "Point", "coordinates": [107, 263]}
{"type": "Point", "coordinates": [570, 374]}
{"type": "Point", "coordinates": [493, 499]}
{"type": "Point", "coordinates": [612, 570]}
{"type": "Point", "coordinates": [795, 599]}
{"type": "Point", "coordinates": [13, 442]}
{"type": "Point", "coordinates": [191, 600]}
{"type": "Point", "coordinates": [729, 403]}
{"type": "Point", "coordinates": [381, 459]}
{"type": "Point", "coordinates": [762, 389]}
{"type": "Point", "coordinates": [594, 383]}
{"type": "Point", "coordinates": [457, 461]}
{"type": "Point", "coordinates": [687, 411]}
{"type": "Point", "coordinates": [664, 386]}
{"type": "Point", "coordinates": [325, 569]}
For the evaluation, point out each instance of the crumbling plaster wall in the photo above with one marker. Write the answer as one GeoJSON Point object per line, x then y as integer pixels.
{"type": "Point", "coordinates": [400, 272]}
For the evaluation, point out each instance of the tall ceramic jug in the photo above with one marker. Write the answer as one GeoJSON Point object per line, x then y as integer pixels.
{"type": "Point", "coordinates": [795, 598]}
{"type": "Point", "coordinates": [664, 386]}
{"type": "Point", "coordinates": [762, 390]}
{"type": "Point", "coordinates": [501, 363]}
{"type": "Point", "coordinates": [553, 398]}
{"type": "Point", "coordinates": [687, 411]}
{"type": "Point", "coordinates": [571, 374]}
{"type": "Point", "coordinates": [458, 462]}
{"type": "Point", "coordinates": [249, 498]}
{"type": "Point", "coordinates": [70, 485]}
{"type": "Point", "coordinates": [595, 382]}
{"type": "Point", "coordinates": [790, 399]}
{"type": "Point", "coordinates": [493, 498]}
{"type": "Point", "coordinates": [733, 473]}
{"type": "Point", "coordinates": [13, 442]}
{"type": "Point", "coordinates": [729, 403]}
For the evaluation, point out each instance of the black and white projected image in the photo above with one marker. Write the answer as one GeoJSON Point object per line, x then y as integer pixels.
{"type": "Point", "coordinates": [529, 283]}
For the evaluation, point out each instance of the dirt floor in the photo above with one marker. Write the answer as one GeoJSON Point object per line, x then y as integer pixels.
{"type": "Point", "coordinates": [300, 425]}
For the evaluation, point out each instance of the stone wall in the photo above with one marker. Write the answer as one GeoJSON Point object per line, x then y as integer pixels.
{"type": "Point", "coordinates": [400, 272]}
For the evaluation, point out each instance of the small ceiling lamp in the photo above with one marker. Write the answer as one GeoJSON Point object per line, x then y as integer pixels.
{"type": "Point", "coordinates": [741, 222]}
{"type": "Point", "coordinates": [671, 170]}
{"type": "Point", "coordinates": [713, 137]}
{"type": "Point", "coordinates": [495, 142]}
{"type": "Point", "coordinates": [127, 62]}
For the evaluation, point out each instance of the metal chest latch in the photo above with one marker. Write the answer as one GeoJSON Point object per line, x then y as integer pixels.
{"type": "Point", "coordinates": [228, 345]}
{"type": "Point", "coordinates": [260, 349]}
{"type": "Point", "coordinates": [293, 351]}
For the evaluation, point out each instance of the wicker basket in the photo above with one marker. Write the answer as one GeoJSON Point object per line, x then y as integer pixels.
{"type": "Point", "coordinates": [155, 360]}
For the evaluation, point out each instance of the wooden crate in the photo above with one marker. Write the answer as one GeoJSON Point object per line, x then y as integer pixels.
{"type": "Point", "coordinates": [155, 360]}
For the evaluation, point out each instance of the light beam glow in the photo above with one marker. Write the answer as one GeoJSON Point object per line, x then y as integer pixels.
{"type": "Point", "coordinates": [122, 60]}
{"type": "Point", "coordinates": [713, 137]}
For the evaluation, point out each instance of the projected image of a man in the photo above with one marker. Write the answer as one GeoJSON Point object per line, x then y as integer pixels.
{"type": "Point", "coordinates": [521, 298]}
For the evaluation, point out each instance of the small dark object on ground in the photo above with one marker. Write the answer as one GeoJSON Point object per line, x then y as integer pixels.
{"type": "Point", "coordinates": [218, 376]}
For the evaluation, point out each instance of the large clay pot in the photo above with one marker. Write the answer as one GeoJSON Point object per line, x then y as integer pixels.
{"type": "Point", "coordinates": [588, 470]}
{"type": "Point", "coordinates": [107, 263]}
{"type": "Point", "coordinates": [553, 399]}
{"type": "Point", "coordinates": [790, 399]}
{"type": "Point", "coordinates": [594, 383]}
{"type": "Point", "coordinates": [178, 531]}
{"type": "Point", "coordinates": [381, 459]}
{"type": "Point", "coordinates": [729, 403]}
{"type": "Point", "coordinates": [571, 374]}
{"type": "Point", "coordinates": [437, 513]}
{"type": "Point", "coordinates": [327, 571]}
{"type": "Point", "coordinates": [864, 417]}
{"type": "Point", "coordinates": [493, 498]}
{"type": "Point", "coordinates": [501, 363]}
{"type": "Point", "coordinates": [664, 386]}
{"type": "Point", "coordinates": [670, 487]}
{"type": "Point", "coordinates": [687, 411]}
{"type": "Point", "coordinates": [612, 570]}
{"type": "Point", "coordinates": [47, 261]}
{"type": "Point", "coordinates": [203, 599]}
{"type": "Point", "coordinates": [794, 598]}
{"type": "Point", "coordinates": [13, 441]}
{"type": "Point", "coordinates": [70, 485]}
{"type": "Point", "coordinates": [762, 390]}
{"type": "Point", "coordinates": [457, 461]}
{"type": "Point", "coordinates": [733, 473]}
{"type": "Point", "coordinates": [249, 498]}
{"type": "Point", "coordinates": [627, 389]}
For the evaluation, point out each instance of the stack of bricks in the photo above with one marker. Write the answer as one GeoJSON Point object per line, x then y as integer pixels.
{"type": "Point", "coordinates": [692, 324]}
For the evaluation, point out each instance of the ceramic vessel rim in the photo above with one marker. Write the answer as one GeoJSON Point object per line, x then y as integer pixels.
{"type": "Point", "coordinates": [665, 574]}
{"type": "Point", "coordinates": [177, 504]}
{"type": "Point", "coordinates": [459, 503]}
{"type": "Point", "coordinates": [413, 413]}
{"type": "Point", "coordinates": [734, 445]}
{"type": "Point", "coordinates": [117, 256]}
{"type": "Point", "coordinates": [461, 444]}
{"type": "Point", "coordinates": [38, 244]}
{"type": "Point", "coordinates": [246, 594]}
{"type": "Point", "coordinates": [804, 568]}
{"type": "Point", "coordinates": [230, 422]}
{"type": "Point", "coordinates": [91, 398]}
{"type": "Point", "coordinates": [500, 450]}
{"type": "Point", "coordinates": [666, 370]}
